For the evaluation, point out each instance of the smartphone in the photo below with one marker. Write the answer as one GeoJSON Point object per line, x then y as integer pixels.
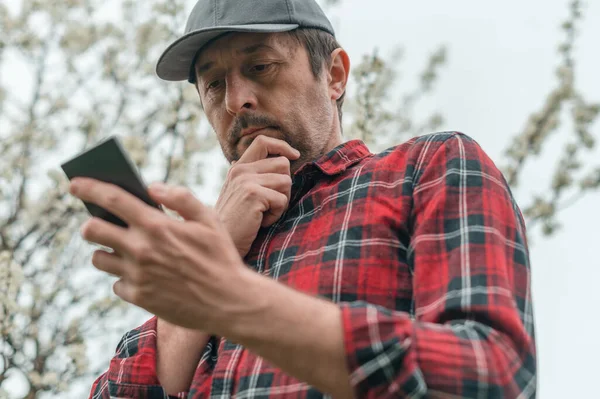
{"type": "Point", "coordinates": [108, 161]}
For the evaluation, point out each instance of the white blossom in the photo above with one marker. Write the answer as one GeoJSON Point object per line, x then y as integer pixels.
{"type": "Point", "coordinates": [49, 379]}
{"type": "Point", "coordinates": [77, 352]}
{"type": "Point", "coordinates": [169, 117]}
{"type": "Point", "coordinates": [78, 37]}
{"type": "Point", "coordinates": [136, 149]}
{"type": "Point", "coordinates": [35, 378]}
{"type": "Point", "coordinates": [148, 34]}
{"type": "Point", "coordinates": [11, 278]}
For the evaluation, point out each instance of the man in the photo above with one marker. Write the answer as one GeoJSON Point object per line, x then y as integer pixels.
{"type": "Point", "coordinates": [323, 270]}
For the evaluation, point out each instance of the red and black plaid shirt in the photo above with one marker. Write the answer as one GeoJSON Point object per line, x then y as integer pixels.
{"type": "Point", "coordinates": [424, 250]}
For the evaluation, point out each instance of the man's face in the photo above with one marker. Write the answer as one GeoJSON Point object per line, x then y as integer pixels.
{"type": "Point", "coordinates": [264, 81]}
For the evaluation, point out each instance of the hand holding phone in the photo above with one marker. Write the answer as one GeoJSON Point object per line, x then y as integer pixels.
{"type": "Point", "coordinates": [108, 162]}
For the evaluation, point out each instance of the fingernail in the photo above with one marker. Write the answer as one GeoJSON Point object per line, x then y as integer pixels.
{"type": "Point", "coordinates": [297, 152]}
{"type": "Point", "coordinates": [74, 186]}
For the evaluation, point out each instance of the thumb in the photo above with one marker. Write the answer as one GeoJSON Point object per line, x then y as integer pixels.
{"type": "Point", "coordinates": [179, 199]}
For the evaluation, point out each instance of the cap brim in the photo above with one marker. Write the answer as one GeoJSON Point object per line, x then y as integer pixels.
{"type": "Point", "coordinates": [175, 62]}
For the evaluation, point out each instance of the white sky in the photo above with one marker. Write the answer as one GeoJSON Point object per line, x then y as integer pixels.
{"type": "Point", "coordinates": [502, 58]}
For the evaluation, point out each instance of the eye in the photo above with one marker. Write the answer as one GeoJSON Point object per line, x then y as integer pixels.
{"type": "Point", "coordinates": [258, 68]}
{"type": "Point", "coordinates": [213, 85]}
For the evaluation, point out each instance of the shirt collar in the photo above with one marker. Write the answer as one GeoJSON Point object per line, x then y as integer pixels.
{"type": "Point", "coordinates": [340, 158]}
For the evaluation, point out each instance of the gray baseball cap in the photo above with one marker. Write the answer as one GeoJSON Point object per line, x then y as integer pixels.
{"type": "Point", "coordinates": [210, 19]}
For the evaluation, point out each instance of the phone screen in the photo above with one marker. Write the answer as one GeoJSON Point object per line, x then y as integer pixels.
{"type": "Point", "coordinates": [107, 161]}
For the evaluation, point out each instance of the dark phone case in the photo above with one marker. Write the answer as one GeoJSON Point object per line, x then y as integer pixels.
{"type": "Point", "coordinates": [108, 162]}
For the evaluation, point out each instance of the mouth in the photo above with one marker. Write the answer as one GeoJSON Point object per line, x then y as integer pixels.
{"type": "Point", "coordinates": [254, 131]}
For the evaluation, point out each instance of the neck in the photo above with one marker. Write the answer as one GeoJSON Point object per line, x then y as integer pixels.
{"type": "Point", "coordinates": [336, 134]}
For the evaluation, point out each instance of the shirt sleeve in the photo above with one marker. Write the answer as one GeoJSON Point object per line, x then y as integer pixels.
{"type": "Point", "coordinates": [132, 371]}
{"type": "Point", "coordinates": [471, 332]}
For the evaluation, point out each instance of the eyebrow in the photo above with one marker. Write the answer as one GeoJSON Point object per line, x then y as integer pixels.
{"type": "Point", "coordinates": [246, 50]}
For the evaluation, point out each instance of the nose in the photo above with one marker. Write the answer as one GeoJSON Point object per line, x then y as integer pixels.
{"type": "Point", "coordinates": [239, 97]}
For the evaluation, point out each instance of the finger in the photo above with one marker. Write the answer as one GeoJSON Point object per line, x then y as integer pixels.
{"type": "Point", "coordinates": [112, 198]}
{"type": "Point", "coordinates": [277, 205]}
{"type": "Point", "coordinates": [125, 291]}
{"type": "Point", "coordinates": [270, 165]}
{"type": "Point", "coordinates": [104, 233]}
{"type": "Point", "coordinates": [263, 146]}
{"type": "Point", "coordinates": [277, 182]}
{"type": "Point", "coordinates": [182, 201]}
{"type": "Point", "coordinates": [112, 264]}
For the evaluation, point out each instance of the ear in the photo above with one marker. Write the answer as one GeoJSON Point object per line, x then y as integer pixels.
{"type": "Point", "coordinates": [338, 73]}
